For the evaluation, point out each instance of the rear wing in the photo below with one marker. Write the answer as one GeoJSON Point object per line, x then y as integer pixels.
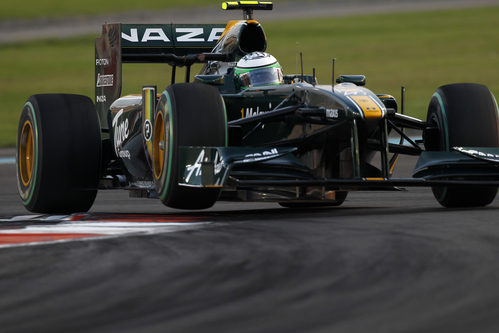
{"type": "Point", "coordinates": [175, 44]}
{"type": "Point", "coordinates": [145, 43]}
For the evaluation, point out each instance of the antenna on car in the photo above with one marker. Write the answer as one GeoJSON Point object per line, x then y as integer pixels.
{"type": "Point", "coordinates": [313, 76]}
{"type": "Point", "coordinates": [402, 100]}
{"type": "Point", "coordinates": [332, 84]}
{"type": "Point", "coordinates": [247, 7]}
{"type": "Point", "coordinates": [301, 65]}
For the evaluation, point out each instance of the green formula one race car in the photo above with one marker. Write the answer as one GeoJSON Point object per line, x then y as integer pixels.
{"type": "Point", "coordinates": [243, 131]}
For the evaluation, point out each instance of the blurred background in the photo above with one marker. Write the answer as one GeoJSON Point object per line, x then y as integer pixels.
{"type": "Point", "coordinates": [48, 46]}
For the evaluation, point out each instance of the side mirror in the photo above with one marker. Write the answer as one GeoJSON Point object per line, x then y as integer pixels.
{"type": "Point", "coordinates": [359, 80]}
{"type": "Point", "coordinates": [216, 80]}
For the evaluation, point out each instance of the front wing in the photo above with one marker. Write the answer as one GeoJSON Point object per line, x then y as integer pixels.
{"type": "Point", "coordinates": [212, 166]}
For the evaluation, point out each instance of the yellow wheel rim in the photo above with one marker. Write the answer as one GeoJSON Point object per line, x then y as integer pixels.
{"type": "Point", "coordinates": [159, 144]}
{"type": "Point", "coordinates": [26, 153]}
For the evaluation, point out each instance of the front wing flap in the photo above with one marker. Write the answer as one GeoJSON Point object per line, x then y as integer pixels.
{"type": "Point", "coordinates": [462, 162]}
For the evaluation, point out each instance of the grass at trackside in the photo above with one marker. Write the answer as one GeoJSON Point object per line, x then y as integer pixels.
{"type": "Point", "coordinates": [30, 9]}
{"type": "Point", "coordinates": [418, 50]}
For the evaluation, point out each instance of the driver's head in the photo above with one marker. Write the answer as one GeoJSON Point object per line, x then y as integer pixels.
{"type": "Point", "coordinates": [258, 69]}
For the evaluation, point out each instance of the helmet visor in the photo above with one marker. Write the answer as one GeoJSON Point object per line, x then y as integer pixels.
{"type": "Point", "coordinates": [262, 77]}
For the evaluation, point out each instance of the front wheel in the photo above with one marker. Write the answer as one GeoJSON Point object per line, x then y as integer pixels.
{"type": "Point", "coordinates": [465, 115]}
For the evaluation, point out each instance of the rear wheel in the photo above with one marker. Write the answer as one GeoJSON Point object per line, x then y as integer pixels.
{"type": "Point", "coordinates": [465, 115]}
{"type": "Point", "coordinates": [188, 114]}
{"type": "Point", "coordinates": [58, 153]}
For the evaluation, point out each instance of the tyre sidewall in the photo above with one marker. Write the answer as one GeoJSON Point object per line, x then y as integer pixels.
{"type": "Point", "coordinates": [437, 116]}
{"type": "Point", "coordinates": [29, 193]}
{"type": "Point", "coordinates": [164, 183]}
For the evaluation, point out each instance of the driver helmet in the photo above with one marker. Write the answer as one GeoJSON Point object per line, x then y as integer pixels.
{"type": "Point", "coordinates": [258, 69]}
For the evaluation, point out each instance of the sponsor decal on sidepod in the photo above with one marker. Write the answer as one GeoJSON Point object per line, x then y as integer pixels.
{"type": "Point", "coordinates": [121, 132]}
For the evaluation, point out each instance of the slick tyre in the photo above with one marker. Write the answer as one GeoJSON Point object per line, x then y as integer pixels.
{"type": "Point", "coordinates": [188, 114]}
{"type": "Point", "coordinates": [465, 115]}
{"type": "Point", "coordinates": [58, 153]}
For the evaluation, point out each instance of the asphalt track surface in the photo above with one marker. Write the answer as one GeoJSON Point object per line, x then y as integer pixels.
{"type": "Point", "coordinates": [382, 262]}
